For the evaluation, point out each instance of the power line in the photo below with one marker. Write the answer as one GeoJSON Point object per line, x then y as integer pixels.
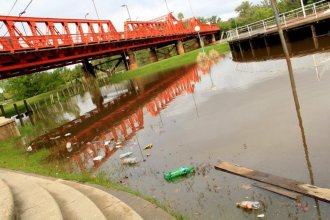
{"type": "Point", "coordinates": [12, 7]}
{"type": "Point", "coordinates": [20, 14]}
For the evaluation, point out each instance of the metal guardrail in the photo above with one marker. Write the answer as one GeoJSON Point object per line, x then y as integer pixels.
{"type": "Point", "coordinates": [309, 11]}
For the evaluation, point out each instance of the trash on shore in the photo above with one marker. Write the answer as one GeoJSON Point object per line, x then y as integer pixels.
{"type": "Point", "coordinates": [178, 172]}
{"type": "Point", "coordinates": [248, 204]}
{"type": "Point", "coordinates": [54, 138]}
{"type": "Point", "coordinates": [69, 146]}
{"type": "Point", "coordinates": [149, 146]}
{"type": "Point", "coordinates": [148, 155]}
{"type": "Point", "coordinates": [67, 134]}
{"type": "Point", "coordinates": [107, 142]}
{"type": "Point", "coordinates": [261, 215]}
{"type": "Point", "coordinates": [98, 158]}
{"type": "Point", "coordinates": [118, 144]}
{"type": "Point", "coordinates": [131, 160]}
{"type": "Point", "coordinates": [29, 149]}
{"type": "Point", "coordinates": [125, 154]}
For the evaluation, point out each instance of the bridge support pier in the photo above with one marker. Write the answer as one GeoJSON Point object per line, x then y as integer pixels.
{"type": "Point", "coordinates": [252, 50]}
{"type": "Point", "coordinates": [213, 38]}
{"type": "Point", "coordinates": [153, 55]}
{"type": "Point", "coordinates": [88, 68]}
{"type": "Point", "coordinates": [179, 47]}
{"type": "Point", "coordinates": [287, 40]}
{"type": "Point", "coordinates": [132, 61]}
{"type": "Point", "coordinates": [267, 46]}
{"type": "Point", "coordinates": [240, 50]}
{"type": "Point", "coordinates": [315, 40]}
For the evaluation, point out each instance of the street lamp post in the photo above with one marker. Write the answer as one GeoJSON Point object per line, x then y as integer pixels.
{"type": "Point", "coordinates": [129, 15]}
{"type": "Point", "coordinates": [167, 6]}
{"type": "Point", "coordinates": [197, 29]}
{"type": "Point", "coordinates": [87, 13]}
{"type": "Point", "coordinates": [303, 8]}
{"type": "Point", "coordinates": [98, 17]}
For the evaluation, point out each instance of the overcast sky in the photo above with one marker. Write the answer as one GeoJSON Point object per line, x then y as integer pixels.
{"type": "Point", "coordinates": [111, 9]}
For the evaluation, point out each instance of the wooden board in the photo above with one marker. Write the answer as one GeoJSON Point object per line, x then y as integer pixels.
{"type": "Point", "coordinates": [299, 187]}
{"type": "Point", "coordinates": [278, 190]}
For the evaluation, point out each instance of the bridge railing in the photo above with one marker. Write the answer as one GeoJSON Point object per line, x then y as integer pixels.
{"type": "Point", "coordinates": [310, 11]}
{"type": "Point", "coordinates": [29, 33]}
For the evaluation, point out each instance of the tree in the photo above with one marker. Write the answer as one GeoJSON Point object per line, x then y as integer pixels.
{"type": "Point", "coordinates": [180, 16]}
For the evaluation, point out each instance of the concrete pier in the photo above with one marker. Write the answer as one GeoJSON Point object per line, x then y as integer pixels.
{"type": "Point", "coordinates": [8, 128]}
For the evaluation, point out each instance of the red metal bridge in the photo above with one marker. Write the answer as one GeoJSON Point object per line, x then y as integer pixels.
{"type": "Point", "coordinates": [30, 44]}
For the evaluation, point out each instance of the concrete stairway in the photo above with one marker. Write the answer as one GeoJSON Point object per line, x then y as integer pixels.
{"type": "Point", "coordinates": [31, 197]}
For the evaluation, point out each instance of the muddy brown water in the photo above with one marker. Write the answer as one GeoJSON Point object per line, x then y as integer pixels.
{"type": "Point", "coordinates": [240, 112]}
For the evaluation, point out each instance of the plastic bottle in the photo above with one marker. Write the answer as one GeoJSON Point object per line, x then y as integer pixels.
{"type": "Point", "coordinates": [131, 160]}
{"type": "Point", "coordinates": [248, 204]}
{"type": "Point", "coordinates": [178, 172]}
{"type": "Point", "coordinates": [125, 155]}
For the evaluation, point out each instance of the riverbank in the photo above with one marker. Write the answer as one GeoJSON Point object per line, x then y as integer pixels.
{"type": "Point", "coordinates": [170, 63]}
{"type": "Point", "coordinates": [163, 65]}
{"type": "Point", "coordinates": [14, 156]}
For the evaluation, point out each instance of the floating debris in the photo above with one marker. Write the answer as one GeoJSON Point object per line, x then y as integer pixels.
{"type": "Point", "coordinates": [248, 204]}
{"type": "Point", "coordinates": [149, 146]}
{"type": "Point", "coordinates": [178, 172]}
{"type": "Point", "coordinates": [125, 155]}
{"type": "Point", "coordinates": [98, 158]}
{"type": "Point", "coordinates": [131, 160]}
{"type": "Point", "coordinates": [148, 155]}
{"type": "Point", "coordinates": [261, 215]}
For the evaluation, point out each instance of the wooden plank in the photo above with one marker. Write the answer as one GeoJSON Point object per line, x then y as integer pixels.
{"type": "Point", "coordinates": [303, 188]}
{"type": "Point", "coordinates": [278, 190]}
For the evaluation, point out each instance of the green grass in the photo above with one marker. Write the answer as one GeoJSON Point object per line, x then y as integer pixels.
{"type": "Point", "coordinates": [170, 63]}
{"type": "Point", "coordinates": [14, 156]}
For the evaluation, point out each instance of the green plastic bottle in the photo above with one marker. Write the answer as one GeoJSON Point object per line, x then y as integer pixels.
{"type": "Point", "coordinates": [178, 172]}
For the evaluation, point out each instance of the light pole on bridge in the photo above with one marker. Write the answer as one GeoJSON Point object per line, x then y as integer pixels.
{"type": "Point", "coordinates": [303, 8]}
{"type": "Point", "coordinates": [129, 15]}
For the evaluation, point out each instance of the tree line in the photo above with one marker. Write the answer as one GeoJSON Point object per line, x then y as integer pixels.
{"type": "Point", "coordinates": [248, 12]}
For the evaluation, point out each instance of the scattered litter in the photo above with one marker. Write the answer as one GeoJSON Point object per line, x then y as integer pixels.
{"type": "Point", "coordinates": [107, 142]}
{"type": "Point", "coordinates": [67, 134]}
{"type": "Point", "coordinates": [69, 146]}
{"type": "Point", "coordinates": [148, 155]}
{"type": "Point", "coordinates": [98, 158]}
{"type": "Point", "coordinates": [261, 215]}
{"type": "Point", "coordinates": [125, 155]}
{"type": "Point", "coordinates": [131, 160]}
{"type": "Point", "coordinates": [89, 151]}
{"type": "Point", "coordinates": [149, 146]}
{"type": "Point", "coordinates": [29, 149]}
{"type": "Point", "coordinates": [248, 204]}
{"type": "Point", "coordinates": [118, 146]}
{"type": "Point", "coordinates": [54, 138]}
{"type": "Point", "coordinates": [246, 186]}
{"type": "Point", "coordinates": [178, 172]}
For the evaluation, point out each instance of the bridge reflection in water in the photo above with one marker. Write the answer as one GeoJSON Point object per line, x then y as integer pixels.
{"type": "Point", "coordinates": [79, 141]}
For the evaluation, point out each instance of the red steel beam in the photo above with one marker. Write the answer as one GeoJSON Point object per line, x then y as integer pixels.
{"type": "Point", "coordinates": [33, 44]}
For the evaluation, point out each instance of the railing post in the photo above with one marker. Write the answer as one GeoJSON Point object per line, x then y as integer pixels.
{"type": "Point", "coordinates": [263, 23]}
{"type": "Point", "coordinates": [237, 34]}
{"type": "Point", "coordinates": [248, 30]}
{"type": "Point", "coordinates": [314, 9]}
{"type": "Point", "coordinates": [284, 20]}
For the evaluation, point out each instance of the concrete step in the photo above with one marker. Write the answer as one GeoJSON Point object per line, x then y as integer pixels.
{"type": "Point", "coordinates": [30, 199]}
{"type": "Point", "coordinates": [111, 207]}
{"type": "Point", "coordinates": [7, 211]}
{"type": "Point", "coordinates": [72, 203]}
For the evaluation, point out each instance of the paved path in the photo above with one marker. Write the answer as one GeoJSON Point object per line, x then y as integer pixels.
{"type": "Point", "coordinates": [28, 196]}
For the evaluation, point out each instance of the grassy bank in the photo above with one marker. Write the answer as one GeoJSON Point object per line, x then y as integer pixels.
{"type": "Point", "coordinates": [14, 156]}
{"type": "Point", "coordinates": [170, 63]}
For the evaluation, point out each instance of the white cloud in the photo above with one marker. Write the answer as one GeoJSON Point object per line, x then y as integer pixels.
{"type": "Point", "coordinates": [111, 9]}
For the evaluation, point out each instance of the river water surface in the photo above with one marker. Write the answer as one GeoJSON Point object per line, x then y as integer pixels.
{"type": "Point", "coordinates": [239, 112]}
